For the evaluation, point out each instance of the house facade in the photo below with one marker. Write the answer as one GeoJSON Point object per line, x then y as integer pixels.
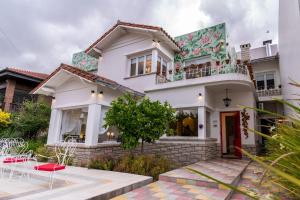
{"type": "Point", "coordinates": [198, 73]}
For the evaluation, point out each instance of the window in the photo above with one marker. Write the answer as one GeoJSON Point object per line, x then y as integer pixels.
{"type": "Point", "coordinates": [148, 63]}
{"type": "Point", "coordinates": [270, 80]}
{"type": "Point", "coordinates": [140, 65]}
{"type": "Point", "coordinates": [158, 65]}
{"type": "Point", "coordinates": [133, 67]}
{"type": "Point", "coordinates": [265, 80]}
{"type": "Point", "coordinates": [164, 68]}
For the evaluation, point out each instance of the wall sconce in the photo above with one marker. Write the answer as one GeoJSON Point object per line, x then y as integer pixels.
{"type": "Point", "coordinates": [155, 43]}
{"type": "Point", "coordinates": [200, 126]}
{"type": "Point", "coordinates": [53, 98]}
{"type": "Point", "coordinates": [110, 135]}
{"type": "Point", "coordinates": [200, 95]}
{"type": "Point", "coordinates": [92, 91]}
{"type": "Point", "coordinates": [101, 92]}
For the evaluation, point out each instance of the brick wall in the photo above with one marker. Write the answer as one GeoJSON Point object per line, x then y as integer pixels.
{"type": "Point", "coordinates": [181, 153]}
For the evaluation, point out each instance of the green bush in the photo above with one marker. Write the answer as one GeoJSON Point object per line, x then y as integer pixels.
{"type": "Point", "coordinates": [32, 119]}
{"type": "Point", "coordinates": [147, 165]}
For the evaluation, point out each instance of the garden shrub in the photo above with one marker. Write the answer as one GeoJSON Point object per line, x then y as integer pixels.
{"type": "Point", "coordinates": [147, 165]}
{"type": "Point", "coordinates": [103, 163]}
{"type": "Point", "coordinates": [5, 119]}
{"type": "Point", "coordinates": [32, 119]}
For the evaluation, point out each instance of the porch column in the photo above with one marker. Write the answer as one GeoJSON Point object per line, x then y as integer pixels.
{"type": "Point", "coordinates": [54, 126]}
{"type": "Point", "coordinates": [9, 94]}
{"type": "Point", "coordinates": [93, 124]}
{"type": "Point", "coordinates": [201, 122]}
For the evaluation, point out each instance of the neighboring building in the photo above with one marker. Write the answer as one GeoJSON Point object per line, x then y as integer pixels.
{"type": "Point", "coordinates": [266, 70]}
{"type": "Point", "coordinates": [196, 73]}
{"type": "Point", "coordinates": [15, 87]}
{"type": "Point", "coordinates": [289, 48]}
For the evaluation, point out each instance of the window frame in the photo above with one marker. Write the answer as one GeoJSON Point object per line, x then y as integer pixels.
{"type": "Point", "coordinates": [137, 57]}
{"type": "Point", "coordinates": [265, 79]}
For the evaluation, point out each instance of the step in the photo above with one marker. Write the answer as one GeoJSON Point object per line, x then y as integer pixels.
{"type": "Point", "coordinates": [170, 190]}
{"type": "Point", "coordinates": [225, 170]}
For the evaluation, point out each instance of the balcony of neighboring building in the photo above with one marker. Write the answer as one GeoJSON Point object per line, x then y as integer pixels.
{"type": "Point", "coordinates": [268, 87]}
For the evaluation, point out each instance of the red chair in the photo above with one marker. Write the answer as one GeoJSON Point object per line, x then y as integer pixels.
{"type": "Point", "coordinates": [64, 151]}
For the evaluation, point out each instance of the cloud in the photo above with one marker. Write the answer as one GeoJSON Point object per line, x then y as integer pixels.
{"type": "Point", "coordinates": [39, 35]}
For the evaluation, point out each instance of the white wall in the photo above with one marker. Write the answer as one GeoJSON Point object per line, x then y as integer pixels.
{"type": "Point", "coordinates": [180, 97]}
{"type": "Point", "coordinates": [289, 46]}
{"type": "Point", "coordinates": [114, 63]}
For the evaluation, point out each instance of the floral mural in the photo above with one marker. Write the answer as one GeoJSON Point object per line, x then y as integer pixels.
{"type": "Point", "coordinates": [209, 41]}
{"type": "Point", "coordinates": [85, 61]}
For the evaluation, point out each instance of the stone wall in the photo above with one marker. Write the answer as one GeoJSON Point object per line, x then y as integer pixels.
{"type": "Point", "coordinates": [180, 152]}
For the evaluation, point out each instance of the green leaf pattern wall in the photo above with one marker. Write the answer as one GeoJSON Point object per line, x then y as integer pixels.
{"type": "Point", "coordinates": [209, 41]}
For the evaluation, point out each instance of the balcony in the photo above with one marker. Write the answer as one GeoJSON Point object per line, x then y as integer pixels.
{"type": "Point", "coordinates": [269, 92]}
{"type": "Point", "coordinates": [203, 70]}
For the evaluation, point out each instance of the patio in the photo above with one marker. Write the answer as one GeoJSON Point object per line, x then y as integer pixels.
{"type": "Point", "coordinates": [71, 183]}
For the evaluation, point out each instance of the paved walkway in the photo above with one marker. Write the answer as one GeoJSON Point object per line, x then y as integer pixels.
{"type": "Point", "coordinates": [180, 184]}
{"type": "Point", "coordinates": [69, 184]}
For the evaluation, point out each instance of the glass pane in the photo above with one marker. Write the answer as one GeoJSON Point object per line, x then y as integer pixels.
{"type": "Point", "coordinates": [164, 68]}
{"type": "Point", "coordinates": [259, 77]}
{"type": "Point", "coordinates": [270, 81]}
{"type": "Point", "coordinates": [74, 124]}
{"type": "Point", "coordinates": [148, 63]}
{"type": "Point", "coordinates": [158, 64]}
{"type": "Point", "coordinates": [260, 85]}
{"type": "Point", "coordinates": [141, 65]}
{"type": "Point", "coordinates": [186, 123]}
{"type": "Point", "coordinates": [133, 67]}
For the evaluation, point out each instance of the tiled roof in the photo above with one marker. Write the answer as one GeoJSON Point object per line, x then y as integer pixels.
{"type": "Point", "coordinates": [86, 75]}
{"type": "Point", "coordinates": [37, 75]}
{"type": "Point", "coordinates": [120, 23]}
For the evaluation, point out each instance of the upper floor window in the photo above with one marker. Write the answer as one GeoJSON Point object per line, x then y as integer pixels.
{"type": "Point", "coordinates": [265, 80]}
{"type": "Point", "coordinates": [161, 66]}
{"type": "Point", "coordinates": [140, 65]}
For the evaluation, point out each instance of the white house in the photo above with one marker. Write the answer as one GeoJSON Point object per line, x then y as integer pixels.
{"type": "Point", "coordinates": [197, 73]}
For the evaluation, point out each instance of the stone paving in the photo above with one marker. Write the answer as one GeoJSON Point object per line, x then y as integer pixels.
{"type": "Point", "coordinates": [183, 184]}
{"type": "Point", "coordinates": [73, 183]}
{"type": "Point", "coordinates": [186, 189]}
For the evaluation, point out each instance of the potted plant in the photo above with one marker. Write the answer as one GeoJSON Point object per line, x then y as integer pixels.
{"type": "Point", "coordinates": [217, 62]}
{"type": "Point", "coordinates": [238, 61]}
{"type": "Point", "coordinates": [227, 61]}
{"type": "Point", "coordinates": [170, 71]}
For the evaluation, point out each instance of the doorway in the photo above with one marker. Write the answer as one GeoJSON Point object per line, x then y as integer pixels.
{"type": "Point", "coordinates": [230, 134]}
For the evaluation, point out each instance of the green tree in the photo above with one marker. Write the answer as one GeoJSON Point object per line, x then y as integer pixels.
{"type": "Point", "coordinates": [139, 120]}
{"type": "Point", "coordinates": [32, 119]}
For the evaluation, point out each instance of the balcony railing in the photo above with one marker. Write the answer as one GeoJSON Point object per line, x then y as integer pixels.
{"type": "Point", "coordinates": [204, 70]}
{"type": "Point", "coordinates": [268, 92]}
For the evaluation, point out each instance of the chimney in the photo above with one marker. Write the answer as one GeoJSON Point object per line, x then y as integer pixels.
{"type": "Point", "coordinates": [245, 52]}
{"type": "Point", "coordinates": [267, 44]}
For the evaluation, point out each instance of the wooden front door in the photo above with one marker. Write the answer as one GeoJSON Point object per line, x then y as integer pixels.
{"type": "Point", "coordinates": [230, 134]}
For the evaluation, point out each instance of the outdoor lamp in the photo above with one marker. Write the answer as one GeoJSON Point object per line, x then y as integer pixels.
{"type": "Point", "coordinates": [92, 91]}
{"type": "Point", "coordinates": [227, 100]}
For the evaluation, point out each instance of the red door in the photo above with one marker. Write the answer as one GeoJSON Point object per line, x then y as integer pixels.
{"type": "Point", "coordinates": [237, 138]}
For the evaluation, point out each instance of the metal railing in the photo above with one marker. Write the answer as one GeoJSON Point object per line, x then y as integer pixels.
{"type": "Point", "coordinates": [204, 70]}
{"type": "Point", "coordinates": [268, 92]}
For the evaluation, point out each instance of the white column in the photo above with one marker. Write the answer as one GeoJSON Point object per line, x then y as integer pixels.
{"type": "Point", "coordinates": [201, 122]}
{"type": "Point", "coordinates": [93, 124]}
{"type": "Point", "coordinates": [54, 126]}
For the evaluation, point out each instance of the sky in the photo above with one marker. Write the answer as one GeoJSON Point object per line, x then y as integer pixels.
{"type": "Point", "coordinates": [38, 35]}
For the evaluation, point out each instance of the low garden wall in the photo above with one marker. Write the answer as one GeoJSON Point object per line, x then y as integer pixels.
{"type": "Point", "coordinates": [180, 151]}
